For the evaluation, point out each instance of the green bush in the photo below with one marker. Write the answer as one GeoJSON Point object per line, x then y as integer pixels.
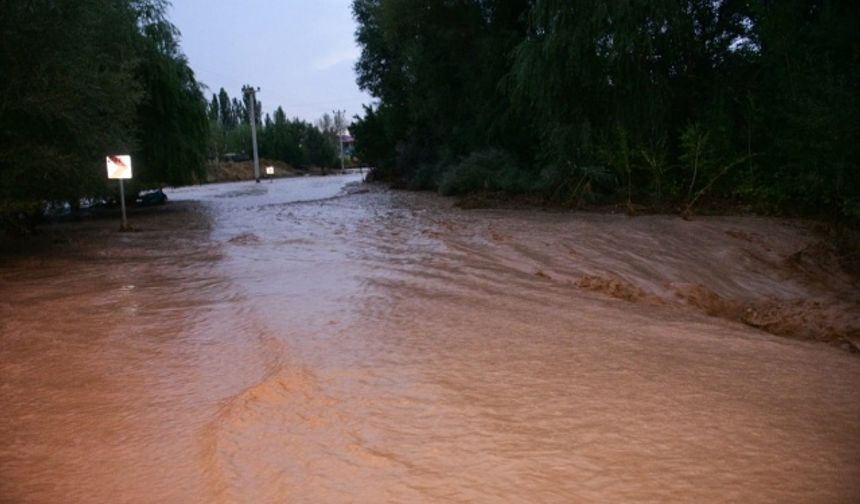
{"type": "Point", "coordinates": [425, 178]}
{"type": "Point", "coordinates": [485, 171]}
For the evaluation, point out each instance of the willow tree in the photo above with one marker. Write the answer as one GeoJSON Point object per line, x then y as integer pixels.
{"type": "Point", "coordinates": [69, 96]}
{"type": "Point", "coordinates": [657, 101]}
{"type": "Point", "coordinates": [84, 78]}
{"type": "Point", "coordinates": [172, 118]}
{"type": "Point", "coordinates": [810, 106]}
{"type": "Point", "coordinates": [616, 83]}
{"type": "Point", "coordinates": [436, 69]}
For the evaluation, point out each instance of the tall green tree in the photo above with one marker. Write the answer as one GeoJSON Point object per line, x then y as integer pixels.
{"type": "Point", "coordinates": [214, 108]}
{"type": "Point", "coordinates": [226, 113]}
{"type": "Point", "coordinates": [88, 78]}
{"type": "Point", "coordinates": [437, 71]}
{"type": "Point", "coordinates": [69, 96]}
{"type": "Point", "coordinates": [652, 101]}
{"type": "Point", "coordinates": [172, 121]}
{"type": "Point", "coordinates": [810, 100]}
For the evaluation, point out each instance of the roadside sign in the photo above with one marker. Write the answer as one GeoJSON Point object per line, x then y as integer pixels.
{"type": "Point", "coordinates": [270, 170]}
{"type": "Point", "coordinates": [119, 167]}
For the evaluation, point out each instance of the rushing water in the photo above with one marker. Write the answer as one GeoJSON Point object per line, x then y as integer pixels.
{"type": "Point", "coordinates": [275, 343]}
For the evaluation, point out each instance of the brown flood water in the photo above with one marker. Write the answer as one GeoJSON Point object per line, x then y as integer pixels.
{"type": "Point", "coordinates": [249, 346]}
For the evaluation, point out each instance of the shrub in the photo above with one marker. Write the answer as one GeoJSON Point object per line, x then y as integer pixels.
{"type": "Point", "coordinates": [485, 171]}
{"type": "Point", "coordinates": [425, 178]}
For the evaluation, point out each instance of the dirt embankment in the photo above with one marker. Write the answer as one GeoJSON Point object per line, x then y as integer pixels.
{"type": "Point", "coordinates": [833, 321]}
{"type": "Point", "coordinates": [229, 171]}
{"type": "Point", "coordinates": [235, 171]}
{"type": "Point", "coordinates": [820, 300]}
{"type": "Point", "coordinates": [782, 276]}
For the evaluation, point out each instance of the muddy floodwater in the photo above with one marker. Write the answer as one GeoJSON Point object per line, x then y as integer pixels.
{"type": "Point", "coordinates": [292, 342]}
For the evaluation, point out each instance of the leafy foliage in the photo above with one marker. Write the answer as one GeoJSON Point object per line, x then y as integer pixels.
{"type": "Point", "coordinates": [296, 142]}
{"type": "Point", "coordinates": [172, 118]}
{"type": "Point", "coordinates": [661, 102]}
{"type": "Point", "coordinates": [489, 170]}
{"type": "Point", "coordinates": [68, 97]}
{"type": "Point", "coordinates": [87, 78]}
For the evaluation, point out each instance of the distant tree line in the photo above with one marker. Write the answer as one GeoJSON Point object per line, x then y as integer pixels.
{"type": "Point", "coordinates": [655, 102]}
{"type": "Point", "coordinates": [86, 78]}
{"type": "Point", "coordinates": [292, 141]}
{"type": "Point", "coordinates": [83, 79]}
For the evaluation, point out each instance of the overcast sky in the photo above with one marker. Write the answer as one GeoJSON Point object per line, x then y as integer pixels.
{"type": "Point", "coordinates": [301, 53]}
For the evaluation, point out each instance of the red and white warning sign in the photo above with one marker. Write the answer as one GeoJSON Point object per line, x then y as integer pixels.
{"type": "Point", "coordinates": [119, 167]}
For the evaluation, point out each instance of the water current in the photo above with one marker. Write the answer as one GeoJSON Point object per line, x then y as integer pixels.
{"type": "Point", "coordinates": [292, 342]}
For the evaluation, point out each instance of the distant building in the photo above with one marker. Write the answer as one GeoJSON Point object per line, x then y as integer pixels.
{"type": "Point", "coordinates": [348, 145]}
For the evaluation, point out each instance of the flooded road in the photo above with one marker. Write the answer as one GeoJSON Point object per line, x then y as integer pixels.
{"type": "Point", "coordinates": [289, 342]}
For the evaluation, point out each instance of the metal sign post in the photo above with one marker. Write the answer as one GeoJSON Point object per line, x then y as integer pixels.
{"type": "Point", "coordinates": [122, 204]}
{"type": "Point", "coordinates": [119, 168]}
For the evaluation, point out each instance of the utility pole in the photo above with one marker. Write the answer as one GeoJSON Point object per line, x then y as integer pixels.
{"type": "Point", "coordinates": [341, 128]}
{"type": "Point", "coordinates": [251, 93]}
{"type": "Point", "coordinates": [340, 137]}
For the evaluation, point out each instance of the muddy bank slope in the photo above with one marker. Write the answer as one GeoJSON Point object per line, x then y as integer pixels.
{"type": "Point", "coordinates": [777, 275]}
{"type": "Point", "coordinates": [235, 171]}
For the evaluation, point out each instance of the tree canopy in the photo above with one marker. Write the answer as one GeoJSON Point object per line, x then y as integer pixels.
{"type": "Point", "coordinates": [292, 141]}
{"type": "Point", "coordinates": [88, 78]}
{"type": "Point", "coordinates": [661, 102]}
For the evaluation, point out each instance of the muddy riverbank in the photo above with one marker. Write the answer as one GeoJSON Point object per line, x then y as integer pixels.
{"type": "Point", "coordinates": [282, 342]}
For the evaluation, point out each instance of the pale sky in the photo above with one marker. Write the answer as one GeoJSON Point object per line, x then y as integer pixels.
{"type": "Point", "coordinates": [301, 53]}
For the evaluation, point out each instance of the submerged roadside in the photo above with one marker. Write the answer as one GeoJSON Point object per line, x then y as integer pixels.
{"type": "Point", "coordinates": [789, 277]}
{"type": "Point", "coordinates": [293, 341]}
